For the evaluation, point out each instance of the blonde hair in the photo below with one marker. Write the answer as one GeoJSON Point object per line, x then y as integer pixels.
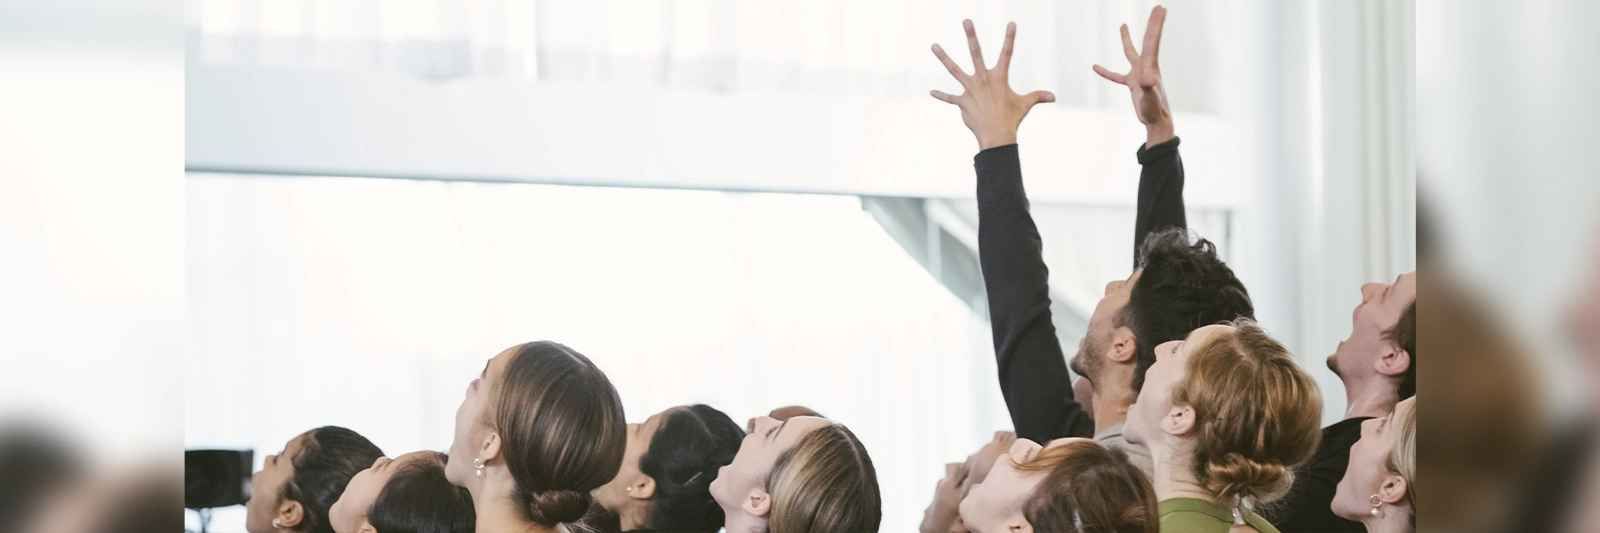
{"type": "Point", "coordinates": [1257, 415]}
{"type": "Point", "coordinates": [1402, 459]}
{"type": "Point", "coordinates": [824, 484]}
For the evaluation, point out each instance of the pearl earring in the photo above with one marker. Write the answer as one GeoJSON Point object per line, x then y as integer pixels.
{"type": "Point", "coordinates": [275, 524]}
{"type": "Point", "coordinates": [478, 464]}
{"type": "Point", "coordinates": [1375, 504]}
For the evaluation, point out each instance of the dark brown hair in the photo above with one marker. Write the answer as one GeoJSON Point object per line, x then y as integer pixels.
{"type": "Point", "coordinates": [1404, 335]}
{"type": "Point", "coordinates": [1090, 488]}
{"type": "Point", "coordinates": [561, 427]}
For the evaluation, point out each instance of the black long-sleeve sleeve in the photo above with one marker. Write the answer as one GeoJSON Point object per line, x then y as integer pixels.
{"type": "Point", "coordinates": [1032, 367]}
{"type": "Point", "coordinates": [1160, 193]}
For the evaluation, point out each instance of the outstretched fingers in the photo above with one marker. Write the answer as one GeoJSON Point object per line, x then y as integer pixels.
{"type": "Point", "coordinates": [972, 44]}
{"type": "Point", "coordinates": [1127, 47]}
{"type": "Point", "coordinates": [944, 96]}
{"type": "Point", "coordinates": [1004, 64]}
{"type": "Point", "coordinates": [1152, 34]}
{"type": "Point", "coordinates": [1118, 79]}
{"type": "Point", "coordinates": [949, 64]}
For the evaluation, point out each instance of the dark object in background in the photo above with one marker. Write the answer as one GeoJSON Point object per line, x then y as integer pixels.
{"type": "Point", "coordinates": [216, 478]}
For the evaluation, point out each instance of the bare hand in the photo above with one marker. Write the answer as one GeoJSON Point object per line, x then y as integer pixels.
{"type": "Point", "coordinates": [988, 106]}
{"type": "Point", "coordinates": [944, 514]}
{"type": "Point", "coordinates": [1144, 79]}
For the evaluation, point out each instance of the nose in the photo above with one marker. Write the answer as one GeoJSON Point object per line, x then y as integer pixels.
{"type": "Point", "coordinates": [1022, 450]}
{"type": "Point", "coordinates": [1368, 290]}
{"type": "Point", "coordinates": [761, 423]}
{"type": "Point", "coordinates": [1110, 286]}
{"type": "Point", "coordinates": [1166, 348]}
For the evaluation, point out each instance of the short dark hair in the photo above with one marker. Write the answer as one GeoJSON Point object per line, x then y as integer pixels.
{"type": "Point", "coordinates": [1404, 335]}
{"type": "Point", "coordinates": [561, 429]}
{"type": "Point", "coordinates": [418, 499]}
{"type": "Point", "coordinates": [685, 454]}
{"type": "Point", "coordinates": [1184, 286]}
{"type": "Point", "coordinates": [329, 456]}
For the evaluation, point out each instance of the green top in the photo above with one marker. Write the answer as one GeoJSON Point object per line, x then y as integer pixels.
{"type": "Point", "coordinates": [1190, 515]}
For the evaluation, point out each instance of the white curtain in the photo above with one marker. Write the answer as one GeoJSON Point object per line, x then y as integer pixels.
{"type": "Point", "coordinates": [371, 303]}
{"type": "Point", "coordinates": [822, 47]}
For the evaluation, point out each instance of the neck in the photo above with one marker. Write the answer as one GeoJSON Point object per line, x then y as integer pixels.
{"type": "Point", "coordinates": [739, 521]}
{"type": "Point", "coordinates": [1110, 401]}
{"type": "Point", "coordinates": [632, 518]}
{"type": "Point", "coordinates": [1371, 397]}
{"type": "Point", "coordinates": [491, 501]}
{"type": "Point", "coordinates": [1391, 519]}
{"type": "Point", "coordinates": [1174, 474]}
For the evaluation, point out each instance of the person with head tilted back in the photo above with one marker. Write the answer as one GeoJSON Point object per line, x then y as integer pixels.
{"type": "Point", "coordinates": [802, 475]}
{"type": "Point", "coordinates": [1380, 485]}
{"type": "Point", "coordinates": [539, 428]}
{"type": "Point", "coordinates": [1227, 416]}
{"type": "Point", "coordinates": [665, 481]}
{"type": "Point", "coordinates": [1175, 285]}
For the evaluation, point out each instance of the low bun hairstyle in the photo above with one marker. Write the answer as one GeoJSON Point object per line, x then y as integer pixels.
{"type": "Point", "coordinates": [1257, 414]}
{"type": "Point", "coordinates": [824, 484]}
{"type": "Point", "coordinates": [561, 428]}
{"type": "Point", "coordinates": [329, 456]}
{"type": "Point", "coordinates": [1089, 488]}
{"type": "Point", "coordinates": [688, 449]}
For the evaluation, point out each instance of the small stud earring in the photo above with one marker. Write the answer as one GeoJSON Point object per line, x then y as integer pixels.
{"type": "Point", "coordinates": [275, 524]}
{"type": "Point", "coordinates": [1376, 503]}
{"type": "Point", "coordinates": [478, 464]}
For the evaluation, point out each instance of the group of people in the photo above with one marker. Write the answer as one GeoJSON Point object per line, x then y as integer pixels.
{"type": "Point", "coordinates": [1196, 419]}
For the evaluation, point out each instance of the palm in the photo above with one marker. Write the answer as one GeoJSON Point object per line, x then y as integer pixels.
{"type": "Point", "coordinates": [988, 105]}
{"type": "Point", "coordinates": [1144, 71]}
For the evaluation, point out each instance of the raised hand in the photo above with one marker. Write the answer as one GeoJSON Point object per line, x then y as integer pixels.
{"type": "Point", "coordinates": [944, 514]}
{"type": "Point", "coordinates": [988, 106]}
{"type": "Point", "coordinates": [1144, 79]}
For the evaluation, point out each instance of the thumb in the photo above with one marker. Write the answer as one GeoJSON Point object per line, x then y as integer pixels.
{"type": "Point", "coordinates": [1037, 97]}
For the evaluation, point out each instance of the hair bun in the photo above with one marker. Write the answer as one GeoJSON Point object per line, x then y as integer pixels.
{"type": "Point", "coordinates": [553, 507]}
{"type": "Point", "coordinates": [1234, 475]}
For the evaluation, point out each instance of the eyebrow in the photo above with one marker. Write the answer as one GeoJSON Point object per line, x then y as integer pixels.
{"type": "Point", "coordinates": [775, 433]}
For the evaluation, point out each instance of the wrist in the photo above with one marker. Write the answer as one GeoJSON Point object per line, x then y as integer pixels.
{"type": "Point", "coordinates": [986, 142]}
{"type": "Point", "coordinates": [1159, 132]}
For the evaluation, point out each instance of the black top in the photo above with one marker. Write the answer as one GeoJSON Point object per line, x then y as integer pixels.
{"type": "Point", "coordinates": [1308, 508]}
{"type": "Point", "coordinates": [1033, 369]}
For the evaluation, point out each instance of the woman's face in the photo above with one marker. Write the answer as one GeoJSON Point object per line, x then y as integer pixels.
{"type": "Point", "coordinates": [1365, 474]}
{"type": "Point", "coordinates": [350, 513]}
{"type": "Point", "coordinates": [1155, 398]}
{"type": "Point", "coordinates": [470, 429]}
{"type": "Point", "coordinates": [266, 487]}
{"type": "Point", "coordinates": [996, 504]}
{"type": "Point", "coordinates": [621, 490]}
{"type": "Point", "coordinates": [766, 440]}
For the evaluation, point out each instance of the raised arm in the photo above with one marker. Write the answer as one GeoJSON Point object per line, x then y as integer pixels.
{"type": "Point", "coordinates": [1033, 373]}
{"type": "Point", "coordinates": [1161, 178]}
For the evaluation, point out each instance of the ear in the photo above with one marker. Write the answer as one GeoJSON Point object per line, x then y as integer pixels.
{"type": "Point", "coordinates": [490, 449]}
{"type": "Point", "coordinates": [643, 489]}
{"type": "Point", "coordinates": [1179, 421]}
{"type": "Point", "coordinates": [366, 527]}
{"type": "Point", "coordinates": [1395, 361]}
{"type": "Point", "coordinates": [1393, 490]}
{"type": "Point", "coordinates": [758, 503]}
{"type": "Point", "coordinates": [290, 513]}
{"type": "Point", "coordinates": [1124, 347]}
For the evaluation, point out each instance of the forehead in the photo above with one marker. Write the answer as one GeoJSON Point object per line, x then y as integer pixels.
{"type": "Point", "coordinates": [1406, 284]}
{"type": "Point", "coordinates": [1201, 335]}
{"type": "Point", "coordinates": [798, 427]}
{"type": "Point", "coordinates": [658, 418]}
